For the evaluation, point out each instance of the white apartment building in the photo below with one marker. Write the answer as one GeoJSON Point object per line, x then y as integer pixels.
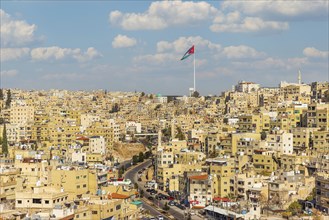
{"type": "Point", "coordinates": [116, 129]}
{"type": "Point", "coordinates": [133, 127]}
{"type": "Point", "coordinates": [97, 145]}
{"type": "Point", "coordinates": [78, 156]}
{"type": "Point", "coordinates": [281, 141]}
{"type": "Point", "coordinates": [87, 120]}
{"type": "Point", "coordinates": [246, 87]}
{"type": "Point", "coordinates": [165, 158]}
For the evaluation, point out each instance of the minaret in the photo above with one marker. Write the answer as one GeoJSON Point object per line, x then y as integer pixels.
{"type": "Point", "coordinates": [159, 139]}
{"type": "Point", "coordinates": [299, 77]}
{"type": "Point", "coordinates": [172, 129]}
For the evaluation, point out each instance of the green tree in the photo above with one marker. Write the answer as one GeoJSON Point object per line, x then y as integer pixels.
{"type": "Point", "coordinates": [8, 101]}
{"type": "Point", "coordinates": [166, 207]}
{"type": "Point", "coordinates": [1, 94]}
{"type": "Point", "coordinates": [147, 154]}
{"type": "Point", "coordinates": [141, 193]}
{"type": "Point", "coordinates": [180, 134]}
{"type": "Point", "coordinates": [263, 135]}
{"type": "Point", "coordinates": [141, 157]}
{"type": "Point", "coordinates": [166, 132]}
{"type": "Point", "coordinates": [196, 94]}
{"type": "Point", "coordinates": [135, 185]}
{"type": "Point", "coordinates": [295, 208]}
{"type": "Point", "coordinates": [135, 159]}
{"type": "Point", "coordinates": [121, 172]}
{"type": "Point", "coordinates": [158, 106]}
{"type": "Point", "coordinates": [142, 94]}
{"type": "Point", "coordinates": [231, 196]}
{"type": "Point", "coordinates": [312, 195]}
{"type": "Point", "coordinates": [4, 141]}
{"type": "Point", "coordinates": [115, 108]}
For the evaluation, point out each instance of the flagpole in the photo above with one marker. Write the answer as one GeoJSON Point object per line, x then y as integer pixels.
{"type": "Point", "coordinates": [194, 69]}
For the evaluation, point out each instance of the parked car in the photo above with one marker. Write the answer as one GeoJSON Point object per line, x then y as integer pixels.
{"type": "Point", "coordinates": [160, 217]}
{"type": "Point", "coordinates": [153, 192]}
{"type": "Point", "coordinates": [171, 198]}
{"type": "Point", "coordinates": [148, 190]}
{"type": "Point", "coordinates": [181, 207]}
{"type": "Point", "coordinates": [150, 198]}
{"type": "Point", "coordinates": [171, 203]}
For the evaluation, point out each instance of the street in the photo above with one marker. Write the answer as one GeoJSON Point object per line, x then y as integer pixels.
{"type": "Point", "coordinates": [175, 212]}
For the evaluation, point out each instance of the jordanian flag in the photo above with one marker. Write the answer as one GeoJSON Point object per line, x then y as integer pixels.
{"type": "Point", "coordinates": [188, 53]}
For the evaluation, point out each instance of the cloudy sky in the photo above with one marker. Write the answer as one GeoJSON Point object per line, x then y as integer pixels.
{"type": "Point", "coordinates": [137, 45]}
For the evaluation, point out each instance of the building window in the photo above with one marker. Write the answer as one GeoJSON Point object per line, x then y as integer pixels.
{"type": "Point", "coordinates": [46, 201]}
{"type": "Point", "coordinates": [36, 201]}
{"type": "Point", "coordinates": [19, 201]}
{"type": "Point", "coordinates": [118, 207]}
{"type": "Point", "coordinates": [94, 212]}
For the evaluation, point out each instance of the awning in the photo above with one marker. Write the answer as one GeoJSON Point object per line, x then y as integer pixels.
{"type": "Point", "coordinates": [217, 199]}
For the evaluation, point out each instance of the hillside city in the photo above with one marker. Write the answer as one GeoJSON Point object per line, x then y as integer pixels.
{"type": "Point", "coordinates": [251, 152]}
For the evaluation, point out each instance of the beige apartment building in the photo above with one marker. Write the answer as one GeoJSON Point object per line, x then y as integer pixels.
{"type": "Point", "coordinates": [40, 198]}
{"type": "Point", "coordinates": [8, 183]}
{"type": "Point", "coordinates": [21, 113]}
{"type": "Point", "coordinates": [322, 192]}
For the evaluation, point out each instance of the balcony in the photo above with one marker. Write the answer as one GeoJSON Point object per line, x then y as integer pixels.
{"type": "Point", "coordinates": [10, 183]}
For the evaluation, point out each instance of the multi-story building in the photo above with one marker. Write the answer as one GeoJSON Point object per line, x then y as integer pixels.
{"type": "Point", "coordinates": [254, 123]}
{"type": "Point", "coordinates": [322, 192]}
{"type": "Point", "coordinates": [280, 141]}
{"type": "Point", "coordinates": [200, 190]}
{"type": "Point", "coordinates": [8, 183]}
{"type": "Point", "coordinates": [21, 113]}
{"type": "Point", "coordinates": [264, 162]}
{"type": "Point", "coordinates": [318, 115]}
{"type": "Point", "coordinates": [321, 142]}
{"type": "Point", "coordinates": [97, 145]}
{"type": "Point", "coordinates": [246, 87]}
{"type": "Point", "coordinates": [40, 198]}
{"type": "Point", "coordinates": [73, 180]}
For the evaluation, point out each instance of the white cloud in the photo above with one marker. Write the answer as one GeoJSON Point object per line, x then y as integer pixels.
{"type": "Point", "coordinates": [313, 52]}
{"type": "Point", "coordinates": [162, 14]}
{"type": "Point", "coordinates": [265, 16]}
{"type": "Point", "coordinates": [57, 53]}
{"type": "Point", "coordinates": [264, 64]}
{"type": "Point", "coordinates": [122, 41]}
{"type": "Point", "coordinates": [155, 59]}
{"type": "Point", "coordinates": [15, 32]}
{"type": "Point", "coordinates": [7, 54]}
{"type": "Point", "coordinates": [279, 9]}
{"type": "Point", "coordinates": [242, 51]}
{"type": "Point", "coordinates": [236, 23]}
{"type": "Point", "coordinates": [182, 44]}
{"type": "Point", "coordinates": [8, 73]}
{"type": "Point", "coordinates": [90, 54]}
{"type": "Point", "coordinates": [172, 52]}
{"type": "Point", "coordinates": [62, 76]}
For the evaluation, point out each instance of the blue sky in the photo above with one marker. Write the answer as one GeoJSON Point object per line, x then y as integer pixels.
{"type": "Point", "coordinates": [137, 45]}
